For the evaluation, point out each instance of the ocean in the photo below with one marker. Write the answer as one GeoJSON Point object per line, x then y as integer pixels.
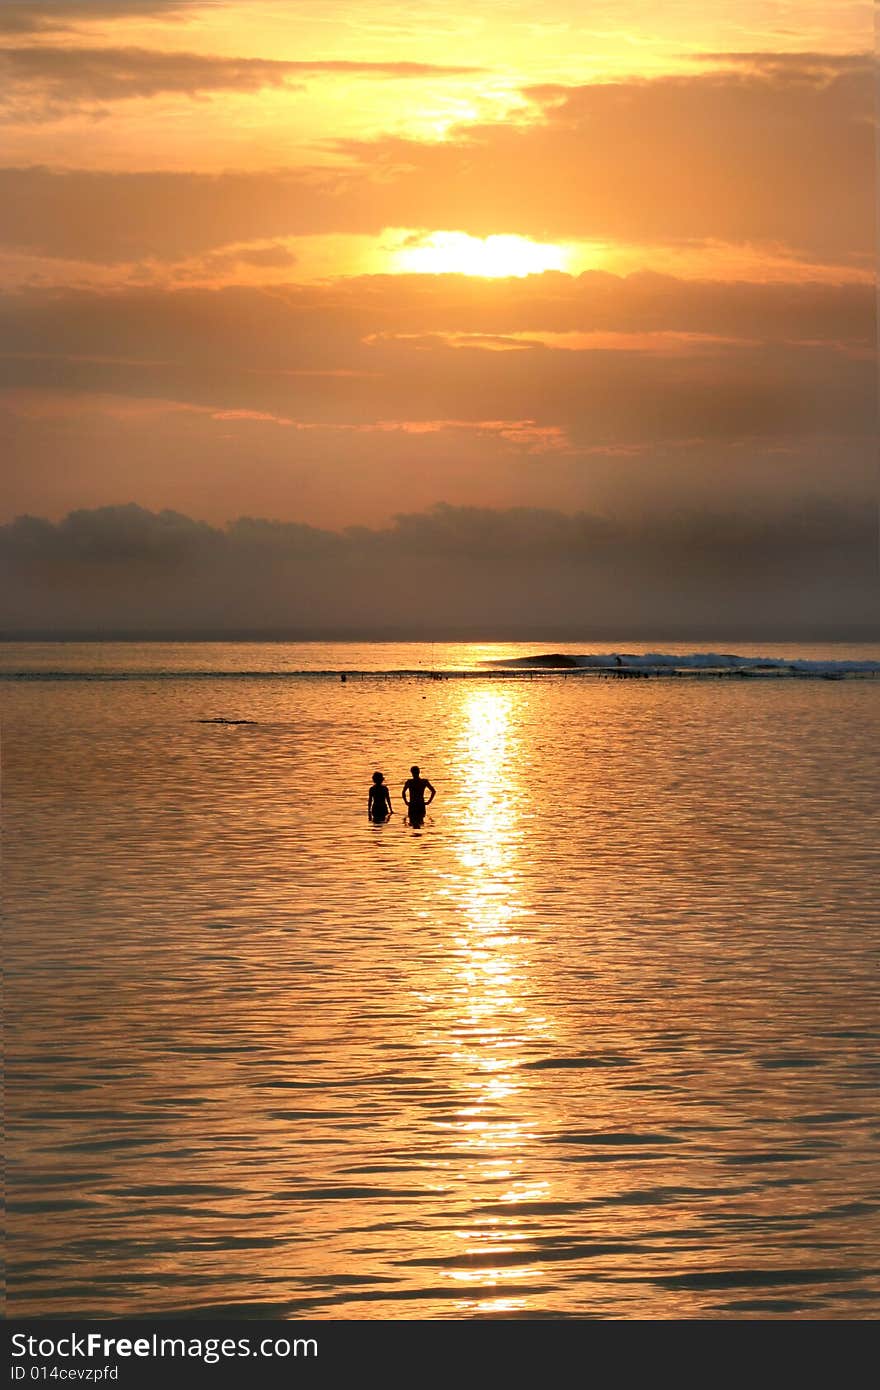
{"type": "Point", "coordinates": [597, 1040]}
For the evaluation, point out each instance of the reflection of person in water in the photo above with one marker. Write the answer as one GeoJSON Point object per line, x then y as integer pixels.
{"type": "Point", "coordinates": [379, 800]}
{"type": "Point", "coordinates": [414, 795]}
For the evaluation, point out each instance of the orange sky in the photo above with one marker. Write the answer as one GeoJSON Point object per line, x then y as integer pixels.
{"type": "Point", "coordinates": [286, 260]}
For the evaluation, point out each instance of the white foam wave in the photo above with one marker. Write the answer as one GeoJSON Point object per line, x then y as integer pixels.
{"type": "Point", "coordinates": [660, 662]}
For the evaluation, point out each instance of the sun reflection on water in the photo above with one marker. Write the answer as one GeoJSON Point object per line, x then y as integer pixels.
{"type": "Point", "coordinates": [491, 1016]}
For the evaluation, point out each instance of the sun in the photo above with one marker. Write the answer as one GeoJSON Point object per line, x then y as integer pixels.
{"type": "Point", "coordinates": [496, 257]}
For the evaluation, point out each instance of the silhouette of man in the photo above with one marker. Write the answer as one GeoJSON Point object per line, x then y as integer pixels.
{"type": "Point", "coordinates": [414, 796]}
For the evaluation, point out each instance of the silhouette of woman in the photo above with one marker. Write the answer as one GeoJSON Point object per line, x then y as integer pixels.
{"type": "Point", "coordinates": [379, 806]}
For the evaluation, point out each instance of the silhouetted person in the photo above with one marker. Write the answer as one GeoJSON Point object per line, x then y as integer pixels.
{"type": "Point", "coordinates": [379, 806]}
{"type": "Point", "coordinates": [414, 796]}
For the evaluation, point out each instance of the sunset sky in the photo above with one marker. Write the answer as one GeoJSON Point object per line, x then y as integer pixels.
{"type": "Point", "coordinates": [337, 263]}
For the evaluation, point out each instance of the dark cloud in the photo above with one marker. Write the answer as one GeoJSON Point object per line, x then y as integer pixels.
{"type": "Point", "coordinates": [803, 65]}
{"type": "Point", "coordinates": [811, 569]}
{"type": "Point", "coordinates": [782, 155]}
{"type": "Point", "coordinates": [792, 360]}
{"type": "Point", "coordinates": [273, 323]}
{"type": "Point", "coordinates": [271, 257]}
{"type": "Point", "coordinates": [77, 75]}
{"type": "Point", "coordinates": [116, 217]}
{"type": "Point", "coordinates": [40, 16]}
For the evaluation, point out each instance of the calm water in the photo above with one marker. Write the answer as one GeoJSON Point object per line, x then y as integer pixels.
{"type": "Point", "coordinates": [599, 1040]}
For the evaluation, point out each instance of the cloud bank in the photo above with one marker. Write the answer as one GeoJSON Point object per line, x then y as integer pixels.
{"type": "Point", "coordinates": [517, 571]}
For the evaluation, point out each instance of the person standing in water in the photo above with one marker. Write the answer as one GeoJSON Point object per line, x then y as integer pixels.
{"type": "Point", "coordinates": [413, 793]}
{"type": "Point", "coordinates": [379, 806]}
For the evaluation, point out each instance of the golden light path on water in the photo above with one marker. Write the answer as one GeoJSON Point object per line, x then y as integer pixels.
{"type": "Point", "coordinates": [492, 1009]}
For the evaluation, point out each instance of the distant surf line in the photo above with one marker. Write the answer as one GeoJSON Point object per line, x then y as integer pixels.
{"type": "Point", "coordinates": [542, 666]}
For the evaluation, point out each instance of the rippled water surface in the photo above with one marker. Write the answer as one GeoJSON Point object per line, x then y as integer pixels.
{"type": "Point", "coordinates": [598, 1040]}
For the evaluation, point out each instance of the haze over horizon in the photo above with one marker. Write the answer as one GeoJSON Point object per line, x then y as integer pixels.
{"type": "Point", "coordinates": [503, 317]}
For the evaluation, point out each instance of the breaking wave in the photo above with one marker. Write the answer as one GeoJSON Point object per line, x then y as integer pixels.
{"type": "Point", "coordinates": [707, 663]}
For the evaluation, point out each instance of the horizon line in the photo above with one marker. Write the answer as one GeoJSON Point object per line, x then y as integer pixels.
{"type": "Point", "coordinates": [854, 633]}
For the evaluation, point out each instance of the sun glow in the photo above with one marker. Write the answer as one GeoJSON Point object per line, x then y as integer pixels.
{"type": "Point", "coordinates": [495, 257]}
